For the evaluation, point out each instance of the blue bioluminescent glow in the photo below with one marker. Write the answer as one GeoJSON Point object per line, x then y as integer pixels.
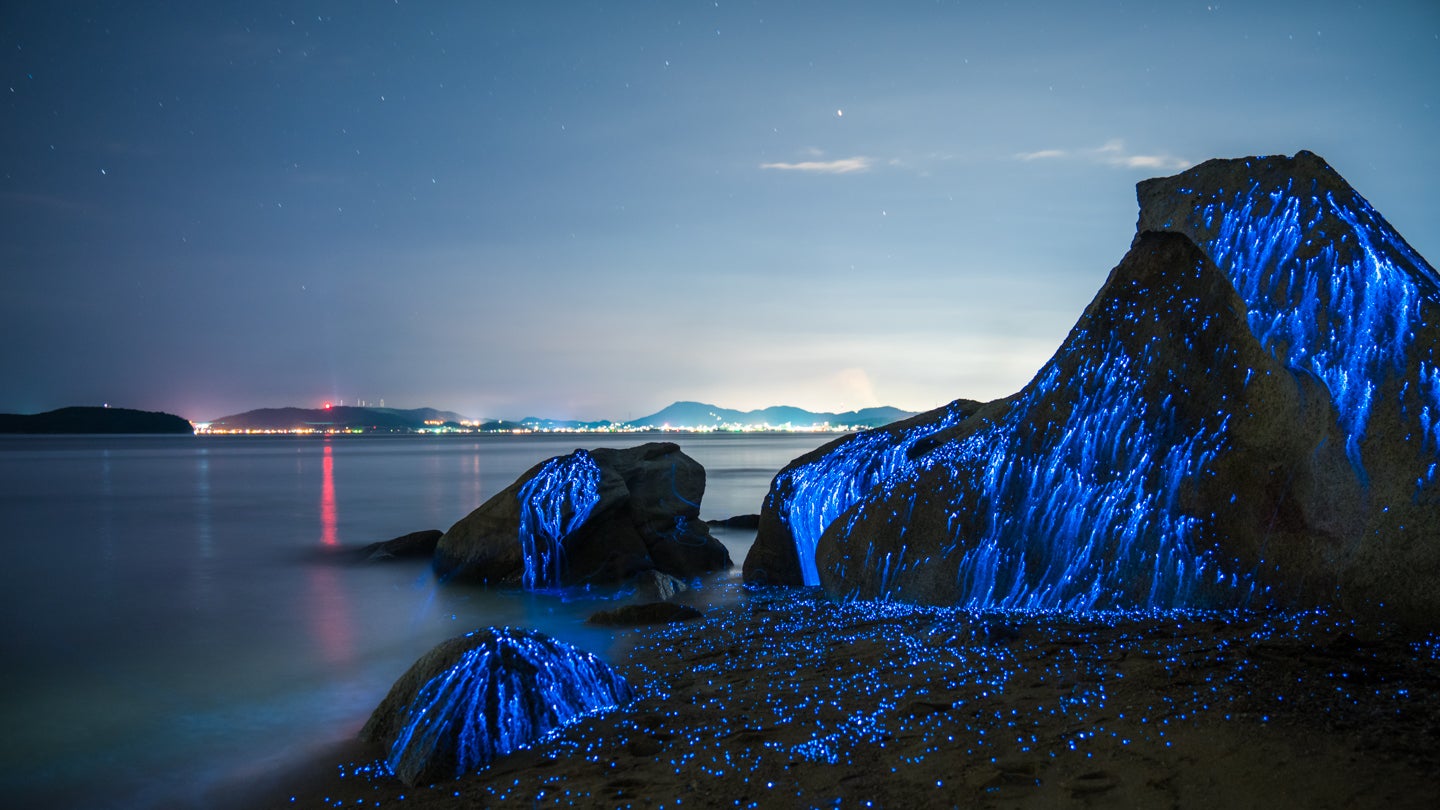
{"type": "Point", "coordinates": [1341, 306]}
{"type": "Point", "coordinates": [553, 503]}
{"type": "Point", "coordinates": [1071, 499]}
{"type": "Point", "coordinates": [1074, 497]}
{"type": "Point", "coordinates": [815, 494]}
{"type": "Point", "coordinates": [1084, 513]}
{"type": "Point", "coordinates": [512, 689]}
{"type": "Point", "coordinates": [1080, 493]}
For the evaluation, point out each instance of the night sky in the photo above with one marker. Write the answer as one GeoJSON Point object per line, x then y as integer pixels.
{"type": "Point", "coordinates": [585, 210]}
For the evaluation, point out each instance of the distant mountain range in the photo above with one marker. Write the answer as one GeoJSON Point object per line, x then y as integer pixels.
{"type": "Point", "coordinates": [94, 420]}
{"type": "Point", "coordinates": [679, 416]}
{"type": "Point", "coordinates": [338, 417]}
{"type": "Point", "coordinates": [702, 415]}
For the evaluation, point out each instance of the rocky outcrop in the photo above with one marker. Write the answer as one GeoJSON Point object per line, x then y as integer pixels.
{"type": "Point", "coordinates": [415, 545]}
{"type": "Point", "coordinates": [593, 517]}
{"type": "Point", "coordinates": [482, 695]}
{"type": "Point", "coordinates": [1247, 413]}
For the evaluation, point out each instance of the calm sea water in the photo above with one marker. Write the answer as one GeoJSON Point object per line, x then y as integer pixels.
{"type": "Point", "coordinates": [176, 615]}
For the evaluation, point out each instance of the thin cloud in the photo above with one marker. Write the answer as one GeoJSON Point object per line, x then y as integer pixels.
{"type": "Point", "coordinates": [1112, 153]}
{"type": "Point", "coordinates": [1043, 154]}
{"type": "Point", "coordinates": [842, 166]}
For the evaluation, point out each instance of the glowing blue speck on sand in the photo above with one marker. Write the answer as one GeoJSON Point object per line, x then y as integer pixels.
{"type": "Point", "coordinates": [512, 689]}
{"type": "Point", "coordinates": [553, 503]}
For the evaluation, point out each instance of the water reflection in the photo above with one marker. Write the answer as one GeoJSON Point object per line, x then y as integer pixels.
{"type": "Point", "coordinates": [202, 590]}
{"type": "Point", "coordinates": [329, 608]}
{"type": "Point", "coordinates": [327, 500]}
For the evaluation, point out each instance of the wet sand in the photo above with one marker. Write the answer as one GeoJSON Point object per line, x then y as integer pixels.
{"type": "Point", "coordinates": [789, 700]}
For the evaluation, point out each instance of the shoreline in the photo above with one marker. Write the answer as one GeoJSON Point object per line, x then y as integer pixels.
{"type": "Point", "coordinates": [787, 698]}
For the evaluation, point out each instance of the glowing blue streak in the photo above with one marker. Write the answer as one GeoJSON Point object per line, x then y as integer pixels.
{"type": "Point", "coordinates": [1344, 309]}
{"type": "Point", "coordinates": [821, 491]}
{"type": "Point", "coordinates": [502, 696]}
{"type": "Point", "coordinates": [553, 503]}
{"type": "Point", "coordinates": [1079, 514]}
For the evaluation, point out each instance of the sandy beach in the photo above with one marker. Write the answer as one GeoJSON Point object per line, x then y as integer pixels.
{"type": "Point", "coordinates": [789, 700]}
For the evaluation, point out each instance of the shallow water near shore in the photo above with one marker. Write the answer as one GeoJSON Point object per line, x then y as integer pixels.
{"type": "Point", "coordinates": [179, 611]}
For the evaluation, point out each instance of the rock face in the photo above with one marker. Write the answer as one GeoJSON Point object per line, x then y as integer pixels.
{"type": "Point", "coordinates": [482, 695]}
{"type": "Point", "coordinates": [592, 517]}
{"type": "Point", "coordinates": [1255, 420]}
{"type": "Point", "coordinates": [1335, 293]}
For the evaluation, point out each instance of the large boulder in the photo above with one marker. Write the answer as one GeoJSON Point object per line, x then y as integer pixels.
{"type": "Point", "coordinates": [1248, 413]}
{"type": "Point", "coordinates": [592, 517]}
{"type": "Point", "coordinates": [482, 695]}
{"type": "Point", "coordinates": [1334, 292]}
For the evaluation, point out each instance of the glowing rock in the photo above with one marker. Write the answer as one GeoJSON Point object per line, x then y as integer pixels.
{"type": "Point", "coordinates": [1335, 293]}
{"type": "Point", "coordinates": [1256, 420]}
{"type": "Point", "coordinates": [593, 517]}
{"type": "Point", "coordinates": [1089, 489]}
{"type": "Point", "coordinates": [480, 696]}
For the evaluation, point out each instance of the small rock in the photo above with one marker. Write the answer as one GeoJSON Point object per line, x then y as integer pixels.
{"type": "Point", "coordinates": [737, 522]}
{"type": "Point", "coordinates": [657, 586]}
{"type": "Point", "coordinates": [649, 613]}
{"type": "Point", "coordinates": [415, 545]}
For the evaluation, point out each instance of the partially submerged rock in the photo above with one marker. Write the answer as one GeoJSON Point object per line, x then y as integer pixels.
{"type": "Point", "coordinates": [737, 522]}
{"type": "Point", "coordinates": [482, 695]}
{"type": "Point", "coordinates": [415, 545]}
{"type": "Point", "coordinates": [592, 517]}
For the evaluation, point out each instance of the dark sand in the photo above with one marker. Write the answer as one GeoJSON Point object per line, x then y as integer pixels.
{"type": "Point", "coordinates": [788, 700]}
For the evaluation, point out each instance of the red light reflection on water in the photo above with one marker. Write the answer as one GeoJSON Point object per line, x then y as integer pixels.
{"type": "Point", "coordinates": [327, 500]}
{"type": "Point", "coordinates": [329, 610]}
